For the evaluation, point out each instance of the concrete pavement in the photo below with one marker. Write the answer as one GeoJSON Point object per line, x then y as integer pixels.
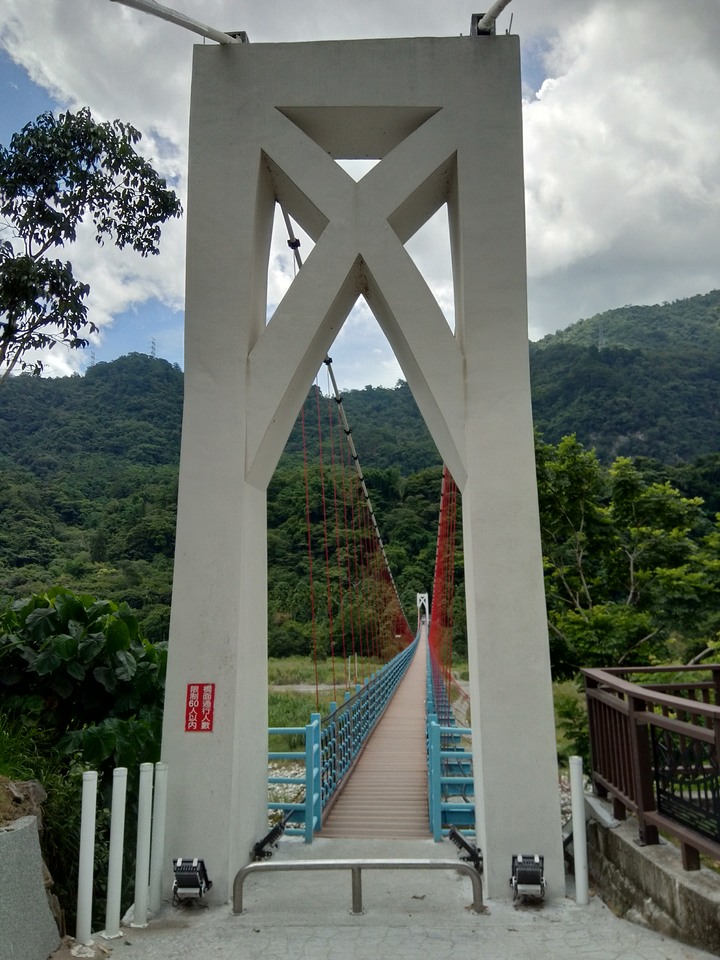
{"type": "Point", "coordinates": [408, 914]}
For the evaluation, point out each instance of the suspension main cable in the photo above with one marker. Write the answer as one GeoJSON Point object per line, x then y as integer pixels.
{"type": "Point", "coordinates": [294, 245]}
{"type": "Point", "coordinates": [358, 469]}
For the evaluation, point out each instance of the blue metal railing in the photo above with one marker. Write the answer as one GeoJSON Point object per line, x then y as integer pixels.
{"type": "Point", "coordinates": [333, 744]}
{"type": "Point", "coordinates": [451, 798]}
{"type": "Point", "coordinates": [308, 810]}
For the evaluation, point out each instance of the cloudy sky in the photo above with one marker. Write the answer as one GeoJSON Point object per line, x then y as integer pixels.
{"type": "Point", "coordinates": [622, 152]}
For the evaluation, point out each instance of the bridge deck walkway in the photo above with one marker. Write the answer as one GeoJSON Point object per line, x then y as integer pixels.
{"type": "Point", "coordinates": [386, 794]}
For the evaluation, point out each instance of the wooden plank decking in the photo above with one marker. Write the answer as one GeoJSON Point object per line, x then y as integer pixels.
{"type": "Point", "coordinates": [386, 793]}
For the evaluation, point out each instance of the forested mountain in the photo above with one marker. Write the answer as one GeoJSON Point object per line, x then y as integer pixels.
{"type": "Point", "coordinates": [89, 488]}
{"type": "Point", "coordinates": [386, 426]}
{"type": "Point", "coordinates": [694, 322]}
{"type": "Point", "coordinates": [89, 464]}
{"type": "Point", "coordinates": [89, 471]}
{"type": "Point", "coordinates": [637, 381]}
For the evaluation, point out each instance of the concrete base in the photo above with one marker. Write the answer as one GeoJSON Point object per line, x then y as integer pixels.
{"type": "Point", "coordinates": [28, 929]}
{"type": "Point", "coordinates": [407, 914]}
{"type": "Point", "coordinates": [649, 886]}
{"type": "Point", "coordinates": [443, 116]}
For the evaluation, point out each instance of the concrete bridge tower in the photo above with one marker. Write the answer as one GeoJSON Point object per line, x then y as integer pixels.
{"type": "Point", "coordinates": [267, 121]}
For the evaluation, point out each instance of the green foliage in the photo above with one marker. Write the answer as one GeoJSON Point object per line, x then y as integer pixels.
{"type": "Point", "coordinates": [286, 709]}
{"type": "Point", "coordinates": [694, 321]}
{"type": "Point", "coordinates": [57, 173]}
{"type": "Point", "coordinates": [80, 687]}
{"type": "Point", "coordinates": [637, 381]}
{"type": "Point", "coordinates": [287, 670]}
{"type": "Point", "coordinates": [88, 501]}
{"type": "Point", "coordinates": [571, 722]}
{"type": "Point", "coordinates": [290, 709]}
{"type": "Point", "coordinates": [28, 752]}
{"type": "Point", "coordinates": [628, 565]}
{"type": "Point", "coordinates": [22, 744]}
{"type": "Point", "coordinates": [79, 667]}
{"type": "Point", "coordinates": [701, 478]}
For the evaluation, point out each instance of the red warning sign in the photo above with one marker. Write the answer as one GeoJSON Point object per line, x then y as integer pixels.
{"type": "Point", "coordinates": [199, 707]}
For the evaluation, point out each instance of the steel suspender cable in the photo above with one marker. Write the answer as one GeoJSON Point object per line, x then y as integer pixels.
{"type": "Point", "coordinates": [325, 539]}
{"type": "Point", "coordinates": [347, 555]}
{"type": "Point", "coordinates": [294, 245]}
{"type": "Point", "coordinates": [438, 618]}
{"type": "Point", "coordinates": [310, 559]}
{"type": "Point", "coordinates": [338, 558]}
{"type": "Point", "coordinates": [446, 689]}
{"type": "Point", "coordinates": [450, 580]}
{"type": "Point", "coordinates": [357, 546]}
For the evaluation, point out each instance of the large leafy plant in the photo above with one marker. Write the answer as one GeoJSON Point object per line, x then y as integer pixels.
{"type": "Point", "coordinates": [79, 666]}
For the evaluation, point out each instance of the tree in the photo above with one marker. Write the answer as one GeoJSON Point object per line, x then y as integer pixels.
{"type": "Point", "coordinates": [56, 173]}
{"type": "Point", "coordinates": [626, 575]}
{"type": "Point", "coordinates": [80, 687]}
{"type": "Point", "coordinates": [80, 667]}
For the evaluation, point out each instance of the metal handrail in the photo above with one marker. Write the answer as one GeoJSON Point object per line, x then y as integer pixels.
{"type": "Point", "coordinates": [309, 808]}
{"type": "Point", "coordinates": [356, 866]}
{"type": "Point", "coordinates": [333, 744]}
{"type": "Point", "coordinates": [450, 773]}
{"type": "Point", "coordinates": [450, 765]}
{"type": "Point", "coordinates": [657, 755]}
{"type": "Point", "coordinates": [649, 694]}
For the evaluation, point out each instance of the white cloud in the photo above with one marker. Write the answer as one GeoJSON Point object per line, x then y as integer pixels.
{"type": "Point", "coordinates": [622, 154]}
{"type": "Point", "coordinates": [623, 161]}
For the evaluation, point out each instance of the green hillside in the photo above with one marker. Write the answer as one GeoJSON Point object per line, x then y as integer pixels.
{"type": "Point", "coordinates": [89, 471]}
{"type": "Point", "coordinates": [638, 381]}
{"type": "Point", "coordinates": [88, 465]}
{"type": "Point", "coordinates": [693, 322]}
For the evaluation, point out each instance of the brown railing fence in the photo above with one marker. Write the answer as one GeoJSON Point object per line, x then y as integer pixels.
{"type": "Point", "coordinates": [655, 742]}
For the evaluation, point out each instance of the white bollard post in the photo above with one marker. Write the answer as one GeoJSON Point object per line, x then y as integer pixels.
{"type": "Point", "coordinates": [115, 863]}
{"type": "Point", "coordinates": [142, 862]}
{"type": "Point", "coordinates": [577, 792]}
{"type": "Point", "coordinates": [83, 928]}
{"type": "Point", "coordinates": [157, 848]}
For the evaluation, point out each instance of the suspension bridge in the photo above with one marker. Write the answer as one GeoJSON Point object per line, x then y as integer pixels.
{"type": "Point", "coordinates": [442, 116]}
{"type": "Point", "coordinates": [386, 761]}
{"type": "Point", "coordinates": [401, 759]}
{"type": "Point", "coordinates": [389, 770]}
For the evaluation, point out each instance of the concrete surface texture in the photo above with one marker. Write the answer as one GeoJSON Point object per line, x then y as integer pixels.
{"type": "Point", "coordinates": [23, 895]}
{"type": "Point", "coordinates": [649, 883]}
{"type": "Point", "coordinates": [267, 121]}
{"type": "Point", "coordinates": [407, 915]}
